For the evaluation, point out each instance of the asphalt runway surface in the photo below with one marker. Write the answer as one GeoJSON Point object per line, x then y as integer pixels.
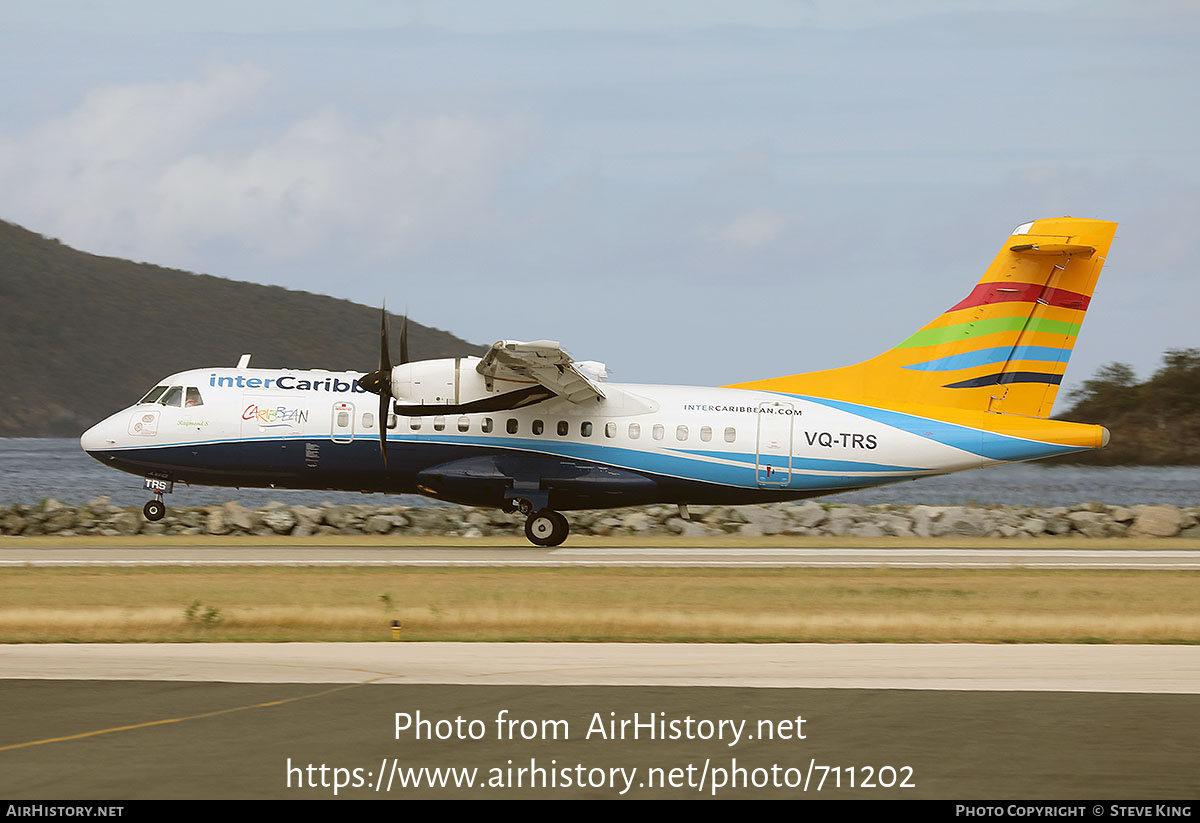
{"type": "Point", "coordinates": [257, 554]}
{"type": "Point", "coordinates": [281, 720]}
{"type": "Point", "coordinates": [113, 721]}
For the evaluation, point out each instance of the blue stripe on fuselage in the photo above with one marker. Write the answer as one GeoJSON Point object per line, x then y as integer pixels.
{"type": "Point", "coordinates": [819, 464]}
{"type": "Point", "coordinates": [990, 445]}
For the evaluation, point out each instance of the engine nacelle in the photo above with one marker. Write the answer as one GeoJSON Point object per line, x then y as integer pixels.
{"type": "Point", "coordinates": [447, 382]}
{"type": "Point", "coordinates": [447, 385]}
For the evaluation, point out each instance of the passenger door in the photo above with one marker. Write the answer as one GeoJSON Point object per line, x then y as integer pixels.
{"type": "Point", "coordinates": [342, 422]}
{"type": "Point", "coordinates": [773, 452]}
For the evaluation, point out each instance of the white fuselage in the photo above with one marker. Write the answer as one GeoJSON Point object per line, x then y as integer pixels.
{"type": "Point", "coordinates": [316, 429]}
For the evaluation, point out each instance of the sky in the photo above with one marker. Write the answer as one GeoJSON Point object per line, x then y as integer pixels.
{"type": "Point", "coordinates": [690, 192]}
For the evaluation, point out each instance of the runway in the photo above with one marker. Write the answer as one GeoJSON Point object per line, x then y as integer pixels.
{"type": "Point", "coordinates": [251, 554]}
{"type": "Point", "coordinates": [909, 721]}
{"type": "Point", "coordinates": [961, 667]}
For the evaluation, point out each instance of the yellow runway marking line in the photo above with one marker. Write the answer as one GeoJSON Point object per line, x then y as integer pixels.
{"type": "Point", "coordinates": [169, 720]}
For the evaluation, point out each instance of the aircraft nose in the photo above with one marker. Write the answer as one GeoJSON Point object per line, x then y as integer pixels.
{"type": "Point", "coordinates": [97, 438]}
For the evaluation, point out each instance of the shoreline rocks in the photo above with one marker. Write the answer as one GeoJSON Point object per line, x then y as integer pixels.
{"type": "Point", "coordinates": [808, 518]}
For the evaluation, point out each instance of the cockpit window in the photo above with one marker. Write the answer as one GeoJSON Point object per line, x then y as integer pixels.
{"type": "Point", "coordinates": [173, 397]}
{"type": "Point", "coordinates": [153, 395]}
{"type": "Point", "coordinates": [193, 397]}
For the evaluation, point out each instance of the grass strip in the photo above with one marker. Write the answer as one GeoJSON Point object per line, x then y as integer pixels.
{"type": "Point", "coordinates": [598, 604]}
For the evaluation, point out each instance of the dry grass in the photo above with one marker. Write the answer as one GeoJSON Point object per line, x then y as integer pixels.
{"type": "Point", "coordinates": [159, 624]}
{"type": "Point", "coordinates": [726, 605]}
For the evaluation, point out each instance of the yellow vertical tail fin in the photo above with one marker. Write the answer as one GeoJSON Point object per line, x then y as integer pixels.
{"type": "Point", "coordinates": [1003, 348]}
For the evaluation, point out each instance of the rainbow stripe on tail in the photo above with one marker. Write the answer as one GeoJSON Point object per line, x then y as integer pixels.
{"type": "Point", "coordinates": [1003, 348]}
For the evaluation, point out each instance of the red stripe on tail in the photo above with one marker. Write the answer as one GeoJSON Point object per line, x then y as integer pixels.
{"type": "Point", "coordinates": [987, 293]}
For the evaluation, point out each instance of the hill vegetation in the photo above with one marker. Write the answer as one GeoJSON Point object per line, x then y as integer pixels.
{"type": "Point", "coordinates": [82, 336]}
{"type": "Point", "coordinates": [1155, 423]}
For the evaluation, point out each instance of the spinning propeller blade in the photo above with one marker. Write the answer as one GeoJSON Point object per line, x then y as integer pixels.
{"type": "Point", "coordinates": [380, 381]}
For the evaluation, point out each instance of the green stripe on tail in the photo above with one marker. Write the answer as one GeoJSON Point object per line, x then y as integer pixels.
{"type": "Point", "coordinates": [993, 325]}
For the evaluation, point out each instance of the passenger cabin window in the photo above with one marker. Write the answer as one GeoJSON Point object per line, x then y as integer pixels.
{"type": "Point", "coordinates": [173, 397]}
{"type": "Point", "coordinates": [610, 429]}
{"type": "Point", "coordinates": [511, 425]}
{"type": "Point", "coordinates": [706, 433]}
{"type": "Point", "coordinates": [681, 433]}
{"type": "Point", "coordinates": [487, 425]}
{"type": "Point", "coordinates": [635, 431]}
{"type": "Point", "coordinates": [439, 423]}
{"type": "Point", "coordinates": [657, 431]}
{"type": "Point", "coordinates": [585, 429]}
{"type": "Point", "coordinates": [464, 424]}
{"type": "Point", "coordinates": [153, 395]}
{"type": "Point", "coordinates": [538, 426]}
{"type": "Point", "coordinates": [193, 397]}
{"type": "Point", "coordinates": [393, 421]}
{"type": "Point", "coordinates": [343, 419]}
{"type": "Point", "coordinates": [564, 428]}
{"type": "Point", "coordinates": [368, 420]}
{"type": "Point", "coordinates": [414, 423]}
{"type": "Point", "coordinates": [730, 434]}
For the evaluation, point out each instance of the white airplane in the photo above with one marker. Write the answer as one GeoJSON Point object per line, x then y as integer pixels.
{"type": "Point", "coordinates": [526, 428]}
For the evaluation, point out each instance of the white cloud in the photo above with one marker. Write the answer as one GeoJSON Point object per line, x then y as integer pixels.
{"type": "Point", "coordinates": [137, 171]}
{"type": "Point", "coordinates": [753, 230]}
{"type": "Point", "coordinates": [84, 174]}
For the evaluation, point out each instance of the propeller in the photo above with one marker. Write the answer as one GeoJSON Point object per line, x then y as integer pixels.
{"type": "Point", "coordinates": [404, 338]}
{"type": "Point", "coordinates": [380, 381]}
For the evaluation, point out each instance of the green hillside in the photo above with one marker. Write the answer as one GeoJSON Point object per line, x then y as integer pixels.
{"type": "Point", "coordinates": [82, 336]}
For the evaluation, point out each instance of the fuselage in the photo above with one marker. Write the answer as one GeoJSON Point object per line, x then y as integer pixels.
{"type": "Point", "coordinates": [638, 444]}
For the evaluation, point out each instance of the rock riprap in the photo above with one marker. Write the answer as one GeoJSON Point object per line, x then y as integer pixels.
{"type": "Point", "coordinates": [810, 518]}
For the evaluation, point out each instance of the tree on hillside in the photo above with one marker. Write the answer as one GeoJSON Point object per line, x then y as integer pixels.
{"type": "Point", "coordinates": [1114, 387]}
{"type": "Point", "coordinates": [1175, 388]}
{"type": "Point", "coordinates": [1156, 422]}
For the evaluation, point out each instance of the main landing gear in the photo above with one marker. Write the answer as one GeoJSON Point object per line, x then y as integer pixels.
{"type": "Point", "coordinates": [546, 528]}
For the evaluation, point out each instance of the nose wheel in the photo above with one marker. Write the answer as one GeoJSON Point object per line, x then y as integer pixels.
{"type": "Point", "coordinates": [547, 528]}
{"type": "Point", "coordinates": [154, 510]}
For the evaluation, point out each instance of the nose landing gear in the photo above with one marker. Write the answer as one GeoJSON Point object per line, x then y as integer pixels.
{"type": "Point", "coordinates": [547, 528]}
{"type": "Point", "coordinates": [156, 508]}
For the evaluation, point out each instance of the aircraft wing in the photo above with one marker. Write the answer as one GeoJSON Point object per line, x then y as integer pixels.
{"type": "Point", "coordinates": [543, 362]}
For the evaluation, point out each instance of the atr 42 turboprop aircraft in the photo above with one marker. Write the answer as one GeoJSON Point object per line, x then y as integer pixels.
{"type": "Point", "coordinates": [527, 428]}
